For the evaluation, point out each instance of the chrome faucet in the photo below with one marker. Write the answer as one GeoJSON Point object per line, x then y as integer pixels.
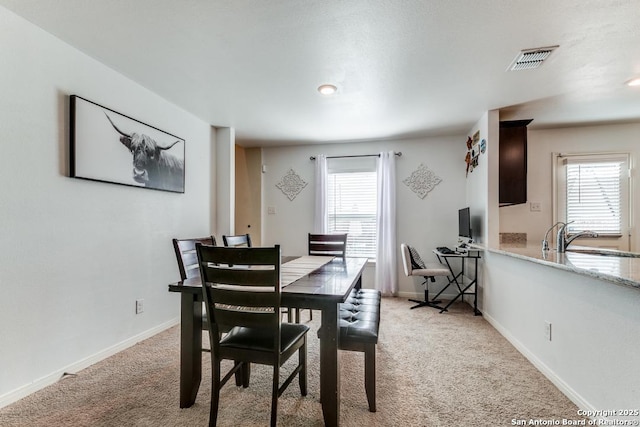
{"type": "Point", "coordinates": [545, 242]}
{"type": "Point", "coordinates": [562, 241]}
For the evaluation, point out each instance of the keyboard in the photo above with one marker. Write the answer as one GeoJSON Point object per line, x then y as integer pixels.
{"type": "Point", "coordinates": [445, 250]}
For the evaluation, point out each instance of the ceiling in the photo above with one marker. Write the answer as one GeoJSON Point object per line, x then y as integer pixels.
{"type": "Point", "coordinates": [403, 68]}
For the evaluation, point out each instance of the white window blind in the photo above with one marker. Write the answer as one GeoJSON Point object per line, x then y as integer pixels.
{"type": "Point", "coordinates": [352, 204]}
{"type": "Point", "coordinates": [594, 196]}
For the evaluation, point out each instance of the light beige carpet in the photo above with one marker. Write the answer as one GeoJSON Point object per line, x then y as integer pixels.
{"type": "Point", "coordinates": [434, 369]}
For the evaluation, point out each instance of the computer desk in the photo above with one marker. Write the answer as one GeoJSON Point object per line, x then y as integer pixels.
{"type": "Point", "coordinates": [462, 288]}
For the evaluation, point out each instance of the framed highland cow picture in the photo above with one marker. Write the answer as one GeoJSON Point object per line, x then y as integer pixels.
{"type": "Point", "coordinates": [110, 147]}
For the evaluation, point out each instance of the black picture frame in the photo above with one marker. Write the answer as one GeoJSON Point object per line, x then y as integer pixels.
{"type": "Point", "coordinates": [108, 146]}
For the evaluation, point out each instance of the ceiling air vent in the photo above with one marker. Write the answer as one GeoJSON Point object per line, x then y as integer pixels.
{"type": "Point", "coordinates": [531, 58]}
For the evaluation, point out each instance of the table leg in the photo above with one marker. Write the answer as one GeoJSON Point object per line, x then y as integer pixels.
{"type": "Point", "coordinates": [329, 366]}
{"type": "Point", "coordinates": [190, 348]}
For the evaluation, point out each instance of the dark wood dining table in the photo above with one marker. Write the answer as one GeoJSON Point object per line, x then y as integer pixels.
{"type": "Point", "coordinates": [323, 289]}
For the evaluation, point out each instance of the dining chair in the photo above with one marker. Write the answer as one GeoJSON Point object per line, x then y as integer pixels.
{"type": "Point", "coordinates": [244, 240]}
{"type": "Point", "coordinates": [328, 244]}
{"type": "Point", "coordinates": [238, 240]}
{"type": "Point", "coordinates": [241, 290]}
{"type": "Point", "coordinates": [189, 268]}
{"type": "Point", "coordinates": [187, 258]}
{"type": "Point", "coordinates": [186, 255]}
{"type": "Point", "coordinates": [325, 245]}
{"type": "Point", "coordinates": [414, 266]}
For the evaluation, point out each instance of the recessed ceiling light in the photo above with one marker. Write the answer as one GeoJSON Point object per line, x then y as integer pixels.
{"type": "Point", "coordinates": [634, 82]}
{"type": "Point", "coordinates": [327, 89]}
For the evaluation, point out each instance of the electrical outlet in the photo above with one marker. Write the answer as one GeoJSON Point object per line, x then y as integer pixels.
{"type": "Point", "coordinates": [139, 306]}
{"type": "Point", "coordinates": [535, 206]}
{"type": "Point", "coordinates": [271, 210]}
{"type": "Point", "coordinates": [547, 330]}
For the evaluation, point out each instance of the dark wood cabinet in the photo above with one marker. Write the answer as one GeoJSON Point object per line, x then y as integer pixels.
{"type": "Point", "coordinates": [513, 162]}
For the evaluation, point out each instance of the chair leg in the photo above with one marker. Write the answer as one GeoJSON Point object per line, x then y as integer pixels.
{"type": "Point", "coordinates": [302, 361]}
{"type": "Point", "coordinates": [215, 391]}
{"type": "Point", "coordinates": [246, 374]}
{"type": "Point", "coordinates": [370, 376]}
{"type": "Point", "coordinates": [274, 395]}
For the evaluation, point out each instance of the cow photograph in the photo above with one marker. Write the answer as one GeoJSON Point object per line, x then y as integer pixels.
{"type": "Point", "coordinates": [111, 147]}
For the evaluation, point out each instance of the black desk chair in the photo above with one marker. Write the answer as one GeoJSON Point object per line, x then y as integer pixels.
{"type": "Point", "coordinates": [241, 289]}
{"type": "Point", "coordinates": [236, 241]}
{"type": "Point", "coordinates": [414, 266]}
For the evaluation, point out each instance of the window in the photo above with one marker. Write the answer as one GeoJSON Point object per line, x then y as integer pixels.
{"type": "Point", "coordinates": [593, 193]}
{"type": "Point", "coordinates": [352, 203]}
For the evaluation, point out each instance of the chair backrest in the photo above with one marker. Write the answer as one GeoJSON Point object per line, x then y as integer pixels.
{"type": "Point", "coordinates": [411, 259]}
{"type": "Point", "coordinates": [241, 287]}
{"type": "Point", "coordinates": [239, 240]}
{"type": "Point", "coordinates": [406, 259]}
{"type": "Point", "coordinates": [186, 255]}
{"type": "Point", "coordinates": [328, 244]}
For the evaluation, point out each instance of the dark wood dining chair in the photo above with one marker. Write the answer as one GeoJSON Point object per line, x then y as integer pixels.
{"type": "Point", "coordinates": [238, 240]}
{"type": "Point", "coordinates": [189, 268]}
{"type": "Point", "coordinates": [325, 245]}
{"type": "Point", "coordinates": [188, 262]}
{"type": "Point", "coordinates": [186, 255]}
{"type": "Point", "coordinates": [328, 244]}
{"type": "Point", "coordinates": [241, 290]}
{"type": "Point", "coordinates": [244, 240]}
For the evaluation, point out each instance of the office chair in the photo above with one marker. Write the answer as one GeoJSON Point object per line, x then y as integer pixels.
{"type": "Point", "coordinates": [414, 266]}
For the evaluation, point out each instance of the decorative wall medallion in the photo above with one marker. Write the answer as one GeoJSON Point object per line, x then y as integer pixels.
{"type": "Point", "coordinates": [422, 181]}
{"type": "Point", "coordinates": [473, 151]}
{"type": "Point", "coordinates": [291, 184]}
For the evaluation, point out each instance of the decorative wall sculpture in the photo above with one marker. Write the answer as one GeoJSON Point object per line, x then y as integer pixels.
{"type": "Point", "coordinates": [291, 184]}
{"type": "Point", "coordinates": [422, 181]}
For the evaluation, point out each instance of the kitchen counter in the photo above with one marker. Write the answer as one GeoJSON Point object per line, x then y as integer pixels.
{"type": "Point", "coordinates": [624, 271]}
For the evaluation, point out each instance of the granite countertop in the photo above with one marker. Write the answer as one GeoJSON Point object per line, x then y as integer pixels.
{"type": "Point", "coordinates": [621, 270]}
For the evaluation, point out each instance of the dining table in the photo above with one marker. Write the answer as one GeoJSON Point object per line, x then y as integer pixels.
{"type": "Point", "coordinates": [322, 287]}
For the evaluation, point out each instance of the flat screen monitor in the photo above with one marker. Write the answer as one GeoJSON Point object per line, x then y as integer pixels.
{"type": "Point", "coordinates": [464, 224]}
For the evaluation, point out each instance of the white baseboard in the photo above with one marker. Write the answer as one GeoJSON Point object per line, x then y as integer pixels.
{"type": "Point", "coordinates": [541, 366]}
{"type": "Point", "coordinates": [52, 378]}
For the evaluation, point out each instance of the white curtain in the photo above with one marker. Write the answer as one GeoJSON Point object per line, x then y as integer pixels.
{"type": "Point", "coordinates": [386, 260]}
{"type": "Point", "coordinates": [320, 217]}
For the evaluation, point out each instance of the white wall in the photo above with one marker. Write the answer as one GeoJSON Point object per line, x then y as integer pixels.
{"type": "Point", "coordinates": [424, 223]}
{"type": "Point", "coordinates": [593, 356]}
{"type": "Point", "coordinates": [75, 254]}
{"type": "Point", "coordinates": [540, 145]}
{"type": "Point", "coordinates": [481, 184]}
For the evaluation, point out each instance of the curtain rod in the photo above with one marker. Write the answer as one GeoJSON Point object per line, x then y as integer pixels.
{"type": "Point", "coordinates": [399, 153]}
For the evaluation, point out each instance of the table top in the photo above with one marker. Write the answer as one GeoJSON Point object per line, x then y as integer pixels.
{"type": "Point", "coordinates": [330, 283]}
{"type": "Point", "coordinates": [621, 270]}
{"type": "Point", "coordinates": [469, 253]}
